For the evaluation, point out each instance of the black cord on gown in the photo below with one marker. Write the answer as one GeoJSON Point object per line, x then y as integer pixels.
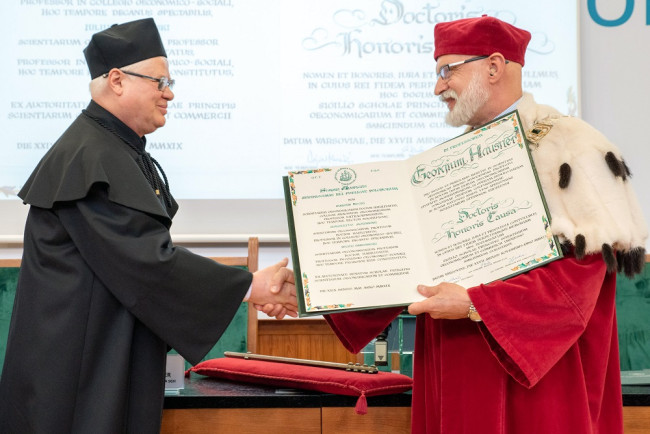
{"type": "Point", "coordinates": [147, 164]}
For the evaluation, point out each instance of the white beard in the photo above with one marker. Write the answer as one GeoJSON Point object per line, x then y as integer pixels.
{"type": "Point", "coordinates": [467, 104]}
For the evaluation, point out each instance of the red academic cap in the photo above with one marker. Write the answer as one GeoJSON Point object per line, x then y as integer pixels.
{"type": "Point", "coordinates": [480, 36]}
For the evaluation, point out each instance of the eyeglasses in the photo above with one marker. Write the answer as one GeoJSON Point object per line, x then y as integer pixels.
{"type": "Point", "coordinates": [163, 82]}
{"type": "Point", "coordinates": [445, 70]}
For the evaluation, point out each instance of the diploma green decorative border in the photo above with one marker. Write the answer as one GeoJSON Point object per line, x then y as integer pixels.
{"type": "Point", "coordinates": [551, 242]}
{"type": "Point", "coordinates": [309, 307]}
{"type": "Point", "coordinates": [511, 117]}
{"type": "Point", "coordinates": [292, 184]}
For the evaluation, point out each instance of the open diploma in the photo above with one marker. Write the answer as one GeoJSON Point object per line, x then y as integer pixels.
{"type": "Point", "coordinates": [467, 211]}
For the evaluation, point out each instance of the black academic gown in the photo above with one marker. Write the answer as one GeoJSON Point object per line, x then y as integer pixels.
{"type": "Point", "coordinates": [103, 292]}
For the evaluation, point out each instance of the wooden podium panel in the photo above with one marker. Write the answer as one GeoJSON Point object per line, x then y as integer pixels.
{"type": "Point", "coordinates": [636, 420]}
{"type": "Point", "coordinates": [302, 339]}
{"type": "Point", "coordinates": [325, 420]}
{"type": "Point", "coordinates": [378, 420]}
{"type": "Point", "coordinates": [242, 420]}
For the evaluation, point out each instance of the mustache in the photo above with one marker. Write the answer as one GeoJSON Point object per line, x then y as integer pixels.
{"type": "Point", "coordinates": [449, 93]}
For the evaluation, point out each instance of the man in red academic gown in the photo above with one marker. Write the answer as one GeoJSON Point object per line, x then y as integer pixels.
{"type": "Point", "coordinates": [537, 353]}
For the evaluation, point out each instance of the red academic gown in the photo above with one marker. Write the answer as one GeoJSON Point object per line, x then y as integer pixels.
{"type": "Point", "coordinates": [544, 360]}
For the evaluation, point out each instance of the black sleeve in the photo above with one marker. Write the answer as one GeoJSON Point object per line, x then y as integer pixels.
{"type": "Point", "coordinates": [186, 299]}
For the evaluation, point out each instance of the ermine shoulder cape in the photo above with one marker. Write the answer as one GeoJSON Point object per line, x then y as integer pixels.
{"type": "Point", "coordinates": [587, 187]}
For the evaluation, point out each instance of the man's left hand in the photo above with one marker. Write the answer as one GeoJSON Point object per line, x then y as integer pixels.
{"type": "Point", "coordinates": [444, 301]}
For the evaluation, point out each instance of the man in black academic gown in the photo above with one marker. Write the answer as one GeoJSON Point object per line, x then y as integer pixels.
{"type": "Point", "coordinates": [103, 292]}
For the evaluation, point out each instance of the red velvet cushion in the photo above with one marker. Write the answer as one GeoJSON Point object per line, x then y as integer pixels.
{"type": "Point", "coordinates": [327, 380]}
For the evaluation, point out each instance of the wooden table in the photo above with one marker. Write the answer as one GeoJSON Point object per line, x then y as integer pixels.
{"type": "Point", "coordinates": [210, 405]}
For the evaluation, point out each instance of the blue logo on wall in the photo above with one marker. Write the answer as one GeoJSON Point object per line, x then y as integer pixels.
{"type": "Point", "coordinates": [627, 13]}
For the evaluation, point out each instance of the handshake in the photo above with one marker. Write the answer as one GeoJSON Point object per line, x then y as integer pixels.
{"type": "Point", "coordinates": [273, 291]}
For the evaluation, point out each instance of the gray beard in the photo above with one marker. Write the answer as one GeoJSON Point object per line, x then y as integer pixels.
{"type": "Point", "coordinates": [467, 104]}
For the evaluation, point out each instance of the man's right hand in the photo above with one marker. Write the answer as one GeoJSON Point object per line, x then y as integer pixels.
{"type": "Point", "coordinates": [273, 291]}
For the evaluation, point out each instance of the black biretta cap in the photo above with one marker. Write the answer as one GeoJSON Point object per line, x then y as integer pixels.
{"type": "Point", "coordinates": [122, 45]}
